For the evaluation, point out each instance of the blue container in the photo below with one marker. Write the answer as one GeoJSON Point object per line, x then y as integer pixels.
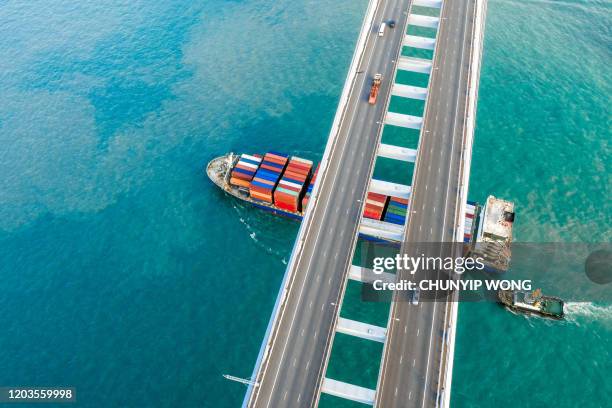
{"type": "Point", "coordinates": [268, 175]}
{"type": "Point", "coordinates": [262, 185]}
{"type": "Point", "coordinates": [399, 205]}
{"type": "Point", "coordinates": [393, 218]}
{"type": "Point", "coordinates": [248, 173]}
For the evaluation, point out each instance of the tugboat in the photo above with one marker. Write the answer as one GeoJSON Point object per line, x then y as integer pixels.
{"type": "Point", "coordinates": [532, 302]}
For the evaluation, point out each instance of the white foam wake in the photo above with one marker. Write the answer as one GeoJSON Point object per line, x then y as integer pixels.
{"type": "Point", "coordinates": [583, 312]}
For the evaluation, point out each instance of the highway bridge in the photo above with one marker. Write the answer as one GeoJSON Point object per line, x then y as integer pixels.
{"type": "Point", "coordinates": [291, 366]}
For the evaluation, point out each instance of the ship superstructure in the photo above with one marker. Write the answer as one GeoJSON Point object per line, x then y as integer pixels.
{"type": "Point", "coordinates": [494, 236]}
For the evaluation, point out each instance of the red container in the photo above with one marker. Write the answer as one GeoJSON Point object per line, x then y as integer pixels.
{"type": "Point", "coordinates": [271, 168]}
{"type": "Point", "coordinates": [288, 207]}
{"type": "Point", "coordinates": [272, 155]}
{"type": "Point", "coordinates": [264, 181]}
{"type": "Point", "coordinates": [286, 198]}
{"type": "Point", "coordinates": [294, 176]}
{"type": "Point", "coordinates": [240, 176]}
{"type": "Point", "coordinates": [400, 200]}
{"type": "Point", "coordinates": [240, 182]}
{"type": "Point", "coordinates": [377, 197]}
{"type": "Point", "coordinates": [371, 215]}
{"type": "Point", "coordinates": [299, 167]}
{"type": "Point", "coordinates": [263, 197]}
{"type": "Point", "coordinates": [260, 190]}
{"type": "Point", "coordinates": [275, 159]}
{"type": "Point", "coordinates": [296, 189]}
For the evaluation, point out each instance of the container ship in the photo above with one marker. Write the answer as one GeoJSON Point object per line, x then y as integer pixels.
{"type": "Point", "coordinates": [283, 184]}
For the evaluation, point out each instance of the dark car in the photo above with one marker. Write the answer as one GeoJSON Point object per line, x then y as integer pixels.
{"type": "Point", "coordinates": [391, 23]}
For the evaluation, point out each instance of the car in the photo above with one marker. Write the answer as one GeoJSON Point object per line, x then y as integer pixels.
{"type": "Point", "coordinates": [381, 29]}
{"type": "Point", "coordinates": [391, 23]}
{"type": "Point", "coordinates": [415, 296]}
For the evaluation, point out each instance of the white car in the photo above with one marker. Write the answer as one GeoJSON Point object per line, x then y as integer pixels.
{"type": "Point", "coordinates": [415, 296]}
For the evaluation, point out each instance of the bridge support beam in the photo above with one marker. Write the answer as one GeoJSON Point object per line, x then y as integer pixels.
{"type": "Point", "coordinates": [348, 391]}
{"type": "Point", "coordinates": [381, 229]}
{"type": "Point", "coordinates": [388, 188]}
{"type": "Point", "coordinates": [362, 330]}
{"type": "Point", "coordinates": [367, 275]}
{"type": "Point", "coordinates": [397, 152]}
{"type": "Point", "coordinates": [401, 120]}
{"type": "Point", "coordinates": [409, 91]}
{"type": "Point", "coordinates": [423, 21]}
{"type": "Point", "coordinates": [412, 64]}
{"type": "Point", "coordinates": [415, 41]}
{"type": "Point", "coordinates": [428, 3]}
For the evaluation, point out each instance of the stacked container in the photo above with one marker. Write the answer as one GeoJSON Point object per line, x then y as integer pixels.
{"type": "Point", "coordinates": [244, 170]}
{"type": "Point", "coordinates": [309, 190]}
{"type": "Point", "coordinates": [375, 206]}
{"type": "Point", "coordinates": [396, 211]}
{"type": "Point", "coordinates": [290, 188]}
{"type": "Point", "coordinates": [270, 170]}
{"type": "Point", "coordinates": [470, 211]}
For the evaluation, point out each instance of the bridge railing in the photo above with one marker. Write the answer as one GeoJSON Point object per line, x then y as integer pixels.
{"type": "Point", "coordinates": [466, 158]}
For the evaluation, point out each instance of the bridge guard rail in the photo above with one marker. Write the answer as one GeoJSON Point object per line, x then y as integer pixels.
{"type": "Point", "coordinates": [474, 79]}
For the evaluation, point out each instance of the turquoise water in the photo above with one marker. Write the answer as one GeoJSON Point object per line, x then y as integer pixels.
{"type": "Point", "coordinates": [128, 276]}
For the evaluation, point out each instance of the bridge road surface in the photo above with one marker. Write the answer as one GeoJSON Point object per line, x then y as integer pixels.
{"type": "Point", "coordinates": [411, 362]}
{"type": "Point", "coordinates": [292, 373]}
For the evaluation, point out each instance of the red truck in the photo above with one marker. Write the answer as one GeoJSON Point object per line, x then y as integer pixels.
{"type": "Point", "coordinates": [375, 87]}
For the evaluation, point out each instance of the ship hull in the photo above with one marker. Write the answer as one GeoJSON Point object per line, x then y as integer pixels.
{"type": "Point", "coordinates": [505, 299]}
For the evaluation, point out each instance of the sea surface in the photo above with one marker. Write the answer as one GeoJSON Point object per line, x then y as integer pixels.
{"type": "Point", "coordinates": [125, 274]}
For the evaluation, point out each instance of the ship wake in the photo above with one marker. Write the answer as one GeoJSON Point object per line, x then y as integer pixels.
{"type": "Point", "coordinates": [585, 312]}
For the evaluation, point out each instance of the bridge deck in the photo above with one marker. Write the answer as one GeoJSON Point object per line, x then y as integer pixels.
{"type": "Point", "coordinates": [416, 332]}
{"type": "Point", "coordinates": [293, 361]}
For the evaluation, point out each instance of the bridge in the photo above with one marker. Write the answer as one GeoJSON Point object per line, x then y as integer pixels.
{"type": "Point", "coordinates": [416, 366]}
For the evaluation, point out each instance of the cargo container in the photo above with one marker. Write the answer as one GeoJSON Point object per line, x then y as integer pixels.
{"type": "Point", "coordinates": [396, 211]}
{"type": "Point", "coordinates": [375, 205]}
{"type": "Point", "coordinates": [290, 189]}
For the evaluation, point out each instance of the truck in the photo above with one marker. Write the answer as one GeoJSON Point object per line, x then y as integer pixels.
{"type": "Point", "coordinates": [374, 89]}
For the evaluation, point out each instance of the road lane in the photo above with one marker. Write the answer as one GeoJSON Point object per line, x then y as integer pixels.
{"type": "Point", "coordinates": [292, 372]}
{"type": "Point", "coordinates": [415, 334]}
